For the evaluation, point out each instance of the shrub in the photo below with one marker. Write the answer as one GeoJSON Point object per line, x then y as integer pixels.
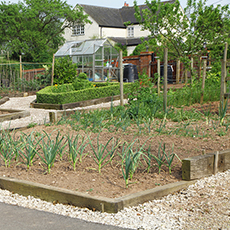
{"type": "Point", "coordinates": [62, 88]}
{"type": "Point", "coordinates": [143, 100]}
{"type": "Point", "coordinates": [65, 71]}
{"type": "Point", "coordinates": [47, 96]}
{"type": "Point", "coordinates": [81, 82]}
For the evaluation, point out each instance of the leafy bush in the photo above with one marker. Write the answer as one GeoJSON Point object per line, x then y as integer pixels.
{"type": "Point", "coordinates": [191, 94]}
{"type": "Point", "coordinates": [143, 100]}
{"type": "Point", "coordinates": [144, 104]}
{"type": "Point", "coordinates": [65, 71]}
{"type": "Point", "coordinates": [47, 96]}
{"type": "Point", "coordinates": [62, 88]}
{"type": "Point", "coordinates": [81, 82]}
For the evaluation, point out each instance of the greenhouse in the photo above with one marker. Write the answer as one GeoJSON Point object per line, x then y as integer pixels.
{"type": "Point", "coordinates": [97, 58]}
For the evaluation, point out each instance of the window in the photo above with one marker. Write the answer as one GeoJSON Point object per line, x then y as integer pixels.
{"type": "Point", "coordinates": [78, 30]}
{"type": "Point", "coordinates": [130, 31]}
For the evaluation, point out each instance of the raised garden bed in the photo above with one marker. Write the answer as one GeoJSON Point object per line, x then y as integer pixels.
{"type": "Point", "coordinates": [106, 191]}
{"type": "Point", "coordinates": [34, 104]}
{"type": "Point", "coordinates": [11, 114]}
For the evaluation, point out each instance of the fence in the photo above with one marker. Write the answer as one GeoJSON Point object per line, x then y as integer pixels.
{"type": "Point", "coordinates": [147, 63]}
{"type": "Point", "coordinates": [22, 77]}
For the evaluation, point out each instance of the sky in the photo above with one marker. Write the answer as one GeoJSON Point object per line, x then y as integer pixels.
{"type": "Point", "coordinates": [120, 3]}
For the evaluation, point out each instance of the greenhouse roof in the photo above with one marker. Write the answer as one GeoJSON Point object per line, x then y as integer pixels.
{"type": "Point", "coordinates": [75, 48]}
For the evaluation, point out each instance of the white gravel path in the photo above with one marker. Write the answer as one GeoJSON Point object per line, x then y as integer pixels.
{"type": "Point", "coordinates": [205, 205]}
{"type": "Point", "coordinates": [39, 116]}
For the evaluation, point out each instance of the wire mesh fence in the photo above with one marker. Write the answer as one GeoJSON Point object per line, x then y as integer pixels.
{"type": "Point", "coordinates": [23, 77]}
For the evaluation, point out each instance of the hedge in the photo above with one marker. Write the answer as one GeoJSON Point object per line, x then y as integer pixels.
{"type": "Point", "coordinates": [47, 96]}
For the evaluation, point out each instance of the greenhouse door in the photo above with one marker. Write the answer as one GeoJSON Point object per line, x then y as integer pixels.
{"type": "Point", "coordinates": [98, 64]}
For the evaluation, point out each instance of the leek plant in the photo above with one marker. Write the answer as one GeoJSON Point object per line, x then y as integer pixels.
{"type": "Point", "coordinates": [86, 121]}
{"type": "Point", "coordinates": [159, 158]}
{"type": "Point", "coordinates": [222, 111]}
{"type": "Point", "coordinates": [130, 159]}
{"type": "Point", "coordinates": [101, 155]}
{"type": "Point", "coordinates": [29, 148]}
{"type": "Point", "coordinates": [76, 149]}
{"type": "Point", "coordinates": [9, 147]}
{"type": "Point", "coordinates": [148, 158]}
{"type": "Point", "coordinates": [7, 150]}
{"type": "Point", "coordinates": [207, 114]}
{"type": "Point", "coordinates": [50, 148]}
{"type": "Point", "coordinates": [169, 158]}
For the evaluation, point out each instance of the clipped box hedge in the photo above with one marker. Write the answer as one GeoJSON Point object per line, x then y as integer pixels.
{"type": "Point", "coordinates": [47, 96]}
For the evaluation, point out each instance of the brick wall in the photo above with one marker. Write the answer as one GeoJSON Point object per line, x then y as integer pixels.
{"type": "Point", "coordinates": [142, 61]}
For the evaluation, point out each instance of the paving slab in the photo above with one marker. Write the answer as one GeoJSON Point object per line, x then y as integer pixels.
{"type": "Point", "coordinates": [19, 218]}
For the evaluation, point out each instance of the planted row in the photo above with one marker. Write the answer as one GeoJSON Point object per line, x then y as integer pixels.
{"type": "Point", "coordinates": [27, 148]}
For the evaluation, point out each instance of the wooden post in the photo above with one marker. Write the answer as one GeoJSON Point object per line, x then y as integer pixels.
{"type": "Point", "coordinates": [93, 62]}
{"type": "Point", "coordinates": [191, 72]}
{"type": "Point", "coordinates": [20, 69]}
{"type": "Point", "coordinates": [203, 81]}
{"type": "Point", "coordinates": [216, 158]}
{"type": "Point", "coordinates": [223, 76]}
{"type": "Point", "coordinates": [150, 70]}
{"type": "Point", "coordinates": [177, 71]}
{"type": "Point", "coordinates": [121, 78]}
{"type": "Point", "coordinates": [158, 76]}
{"type": "Point", "coordinates": [165, 78]}
{"type": "Point", "coordinates": [199, 69]}
{"type": "Point", "coordinates": [186, 76]}
{"type": "Point", "coordinates": [52, 75]}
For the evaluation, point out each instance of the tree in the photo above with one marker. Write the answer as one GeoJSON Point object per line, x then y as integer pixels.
{"type": "Point", "coordinates": [184, 33]}
{"type": "Point", "coordinates": [34, 28]}
{"type": "Point", "coordinates": [150, 44]}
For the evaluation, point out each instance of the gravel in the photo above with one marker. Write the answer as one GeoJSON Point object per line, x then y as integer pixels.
{"type": "Point", "coordinates": [39, 116]}
{"type": "Point", "coordinates": [204, 205]}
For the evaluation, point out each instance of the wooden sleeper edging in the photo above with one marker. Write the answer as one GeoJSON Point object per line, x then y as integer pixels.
{"type": "Point", "coordinates": [59, 195]}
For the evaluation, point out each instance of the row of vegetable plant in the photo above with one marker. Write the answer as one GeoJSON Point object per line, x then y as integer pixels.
{"type": "Point", "coordinates": [28, 148]}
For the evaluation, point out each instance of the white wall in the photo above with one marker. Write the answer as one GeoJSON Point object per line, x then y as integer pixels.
{"type": "Point", "coordinates": [91, 31]}
{"type": "Point", "coordinates": [138, 32]}
{"type": "Point", "coordinates": [130, 49]}
{"type": "Point", "coordinates": [113, 32]}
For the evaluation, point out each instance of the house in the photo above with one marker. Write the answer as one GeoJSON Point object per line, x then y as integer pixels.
{"type": "Point", "coordinates": [110, 23]}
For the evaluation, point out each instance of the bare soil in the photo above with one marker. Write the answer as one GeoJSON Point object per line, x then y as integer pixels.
{"type": "Point", "coordinates": [200, 138]}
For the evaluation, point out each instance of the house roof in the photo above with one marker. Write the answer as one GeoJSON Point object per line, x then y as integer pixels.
{"type": "Point", "coordinates": [128, 41]}
{"type": "Point", "coordinates": [112, 17]}
{"type": "Point", "coordinates": [104, 16]}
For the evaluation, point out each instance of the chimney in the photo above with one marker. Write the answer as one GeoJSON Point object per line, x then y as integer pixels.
{"type": "Point", "coordinates": [126, 4]}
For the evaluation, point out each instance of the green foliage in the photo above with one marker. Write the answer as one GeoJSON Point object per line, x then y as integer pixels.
{"type": "Point", "coordinates": [198, 23]}
{"type": "Point", "coordinates": [46, 96]}
{"type": "Point", "coordinates": [189, 95]}
{"type": "Point", "coordinates": [101, 155]}
{"type": "Point", "coordinates": [65, 88]}
{"type": "Point", "coordinates": [34, 28]}
{"type": "Point", "coordinates": [29, 148]}
{"type": "Point", "coordinates": [123, 47]}
{"type": "Point", "coordinates": [65, 71]}
{"type": "Point", "coordinates": [82, 76]}
{"type": "Point", "coordinates": [43, 79]}
{"type": "Point", "coordinates": [130, 158]}
{"type": "Point", "coordinates": [144, 101]}
{"type": "Point", "coordinates": [76, 149]}
{"type": "Point", "coordinates": [8, 147]}
{"type": "Point", "coordinates": [50, 149]}
{"type": "Point", "coordinates": [82, 82]}
{"type": "Point", "coordinates": [150, 44]}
